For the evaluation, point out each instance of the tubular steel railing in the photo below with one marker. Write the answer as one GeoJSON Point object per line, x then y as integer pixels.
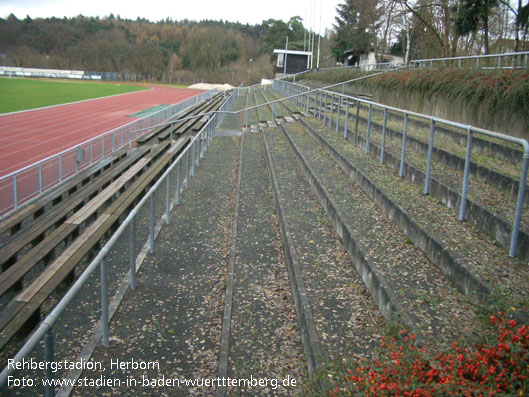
{"type": "Point", "coordinates": [31, 181]}
{"type": "Point", "coordinates": [494, 61]}
{"type": "Point", "coordinates": [184, 167]}
{"type": "Point", "coordinates": [508, 60]}
{"type": "Point", "coordinates": [300, 95]}
{"type": "Point", "coordinates": [369, 67]}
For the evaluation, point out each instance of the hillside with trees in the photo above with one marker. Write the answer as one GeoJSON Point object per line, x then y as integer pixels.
{"type": "Point", "coordinates": [181, 52]}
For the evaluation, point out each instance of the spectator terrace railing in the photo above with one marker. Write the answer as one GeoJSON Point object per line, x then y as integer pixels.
{"type": "Point", "coordinates": [511, 60]}
{"type": "Point", "coordinates": [31, 181]}
{"type": "Point", "coordinates": [323, 97]}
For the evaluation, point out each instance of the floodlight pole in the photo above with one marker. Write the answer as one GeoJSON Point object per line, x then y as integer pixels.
{"type": "Point", "coordinates": [285, 59]}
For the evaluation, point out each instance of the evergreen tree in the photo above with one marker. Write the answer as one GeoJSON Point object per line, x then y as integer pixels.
{"type": "Point", "coordinates": [473, 15]}
{"type": "Point", "coordinates": [353, 33]}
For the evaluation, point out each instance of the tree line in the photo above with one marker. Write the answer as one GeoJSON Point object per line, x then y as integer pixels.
{"type": "Point", "coordinates": [421, 29]}
{"type": "Point", "coordinates": [182, 52]}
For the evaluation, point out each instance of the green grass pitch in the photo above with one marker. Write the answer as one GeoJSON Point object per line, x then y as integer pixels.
{"type": "Point", "coordinates": [21, 94]}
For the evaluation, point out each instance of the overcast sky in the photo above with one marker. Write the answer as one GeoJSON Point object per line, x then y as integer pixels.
{"type": "Point", "coordinates": [245, 11]}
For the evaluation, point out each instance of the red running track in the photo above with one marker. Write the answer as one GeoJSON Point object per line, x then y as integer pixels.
{"type": "Point", "coordinates": [30, 136]}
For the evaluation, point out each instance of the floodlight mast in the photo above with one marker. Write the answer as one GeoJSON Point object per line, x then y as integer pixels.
{"type": "Point", "coordinates": [285, 59]}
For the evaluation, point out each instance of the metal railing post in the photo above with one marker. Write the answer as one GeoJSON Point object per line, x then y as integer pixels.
{"type": "Point", "coordinates": [168, 199]}
{"type": "Point", "coordinates": [330, 111]}
{"type": "Point", "coordinates": [319, 106]}
{"type": "Point", "coordinates": [151, 223]}
{"type": "Point", "coordinates": [368, 132]}
{"type": "Point", "coordinates": [338, 114]}
{"type": "Point", "coordinates": [383, 145]}
{"type": "Point", "coordinates": [40, 178]}
{"type": "Point", "coordinates": [519, 206]}
{"type": "Point", "coordinates": [345, 130]}
{"type": "Point", "coordinates": [463, 206]}
{"type": "Point", "coordinates": [178, 177]}
{"type": "Point", "coordinates": [199, 149]}
{"type": "Point", "coordinates": [104, 303]}
{"type": "Point", "coordinates": [203, 136]}
{"type": "Point", "coordinates": [15, 191]}
{"type": "Point", "coordinates": [132, 251]}
{"type": "Point", "coordinates": [188, 158]}
{"type": "Point", "coordinates": [325, 110]}
{"type": "Point", "coordinates": [49, 357]}
{"type": "Point", "coordinates": [403, 152]}
{"type": "Point", "coordinates": [193, 160]}
{"type": "Point", "coordinates": [356, 121]}
{"type": "Point", "coordinates": [60, 167]}
{"type": "Point", "coordinates": [430, 151]}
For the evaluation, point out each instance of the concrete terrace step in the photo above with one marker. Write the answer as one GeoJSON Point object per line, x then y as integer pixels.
{"type": "Point", "coordinates": [253, 118]}
{"type": "Point", "coordinates": [279, 109]}
{"type": "Point", "coordinates": [487, 172]}
{"type": "Point", "coordinates": [427, 302]}
{"type": "Point", "coordinates": [438, 248]}
{"type": "Point", "coordinates": [345, 317]}
{"type": "Point", "coordinates": [264, 335]}
{"type": "Point", "coordinates": [487, 164]}
{"type": "Point", "coordinates": [234, 121]}
{"type": "Point", "coordinates": [174, 316]}
{"type": "Point", "coordinates": [494, 174]}
{"type": "Point", "coordinates": [469, 246]}
{"type": "Point", "coordinates": [487, 207]}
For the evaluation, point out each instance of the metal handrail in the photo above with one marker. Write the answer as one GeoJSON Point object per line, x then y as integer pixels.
{"type": "Point", "coordinates": [524, 54]}
{"type": "Point", "coordinates": [420, 62]}
{"type": "Point", "coordinates": [196, 149]}
{"type": "Point", "coordinates": [294, 74]}
{"type": "Point", "coordinates": [368, 67]}
{"type": "Point", "coordinates": [305, 91]}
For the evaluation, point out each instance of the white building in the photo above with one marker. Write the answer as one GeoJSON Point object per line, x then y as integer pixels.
{"type": "Point", "coordinates": [368, 60]}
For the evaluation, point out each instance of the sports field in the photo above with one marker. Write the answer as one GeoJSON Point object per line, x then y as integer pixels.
{"type": "Point", "coordinates": [22, 94]}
